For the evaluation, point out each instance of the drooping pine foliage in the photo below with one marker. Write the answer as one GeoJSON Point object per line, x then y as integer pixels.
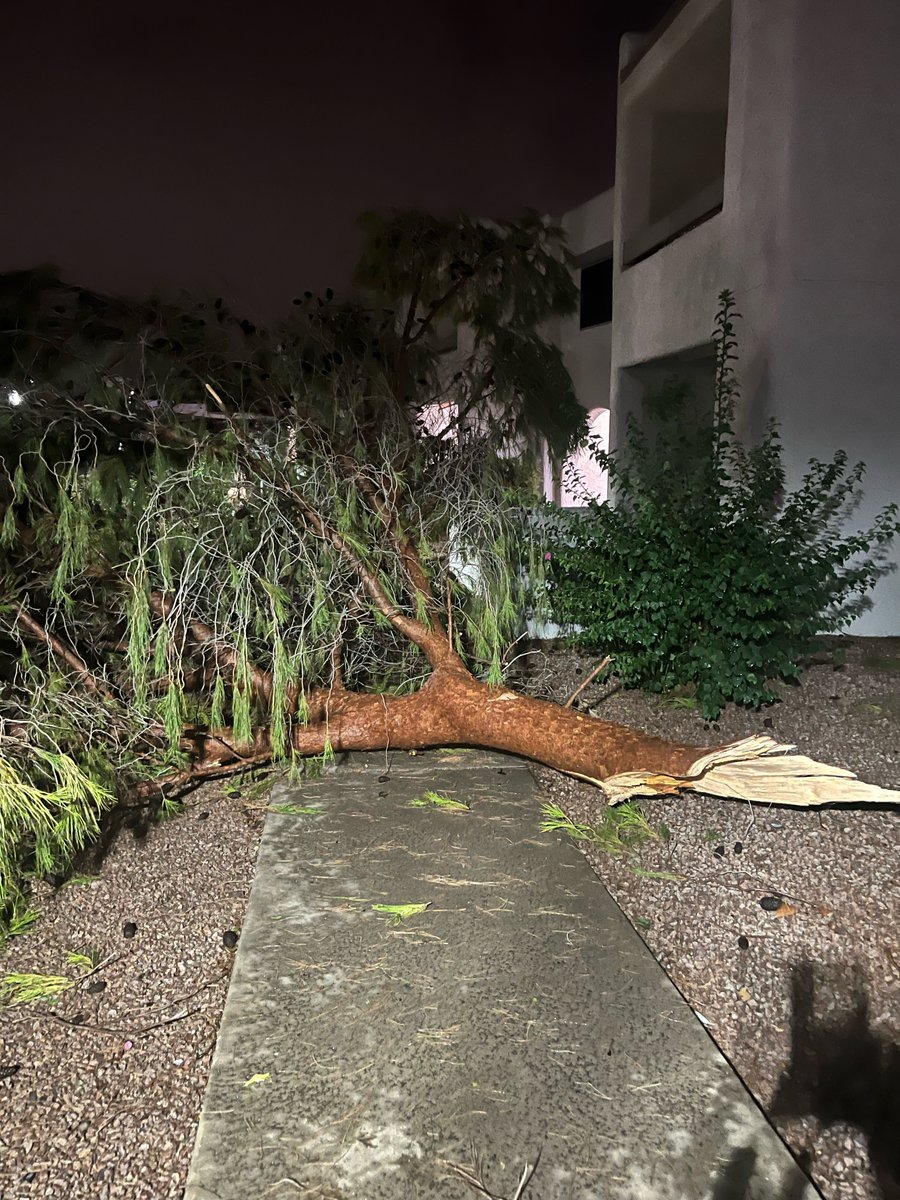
{"type": "Point", "coordinates": [187, 503]}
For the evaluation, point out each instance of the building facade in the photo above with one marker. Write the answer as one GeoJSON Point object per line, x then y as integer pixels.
{"type": "Point", "coordinates": [758, 149]}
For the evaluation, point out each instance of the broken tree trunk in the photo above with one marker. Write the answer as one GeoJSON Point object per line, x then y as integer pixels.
{"type": "Point", "coordinates": [455, 709]}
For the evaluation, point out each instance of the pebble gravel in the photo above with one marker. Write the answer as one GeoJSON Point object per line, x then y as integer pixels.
{"type": "Point", "coordinates": [100, 1091]}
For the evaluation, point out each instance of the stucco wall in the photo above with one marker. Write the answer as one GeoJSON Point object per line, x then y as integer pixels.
{"type": "Point", "coordinates": [835, 348]}
{"type": "Point", "coordinates": [591, 224]}
{"type": "Point", "coordinates": [808, 239]}
{"type": "Point", "coordinates": [835, 384]}
{"type": "Point", "coordinates": [666, 303]}
{"type": "Point", "coordinates": [589, 231]}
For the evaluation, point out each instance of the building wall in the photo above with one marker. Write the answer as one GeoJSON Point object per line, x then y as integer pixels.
{"type": "Point", "coordinates": [836, 372]}
{"type": "Point", "coordinates": [808, 236]}
{"type": "Point", "coordinates": [589, 227]}
{"type": "Point", "coordinates": [586, 352]}
{"type": "Point", "coordinates": [589, 232]}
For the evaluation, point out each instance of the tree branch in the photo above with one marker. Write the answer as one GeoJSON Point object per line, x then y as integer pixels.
{"type": "Point", "coordinates": [457, 287]}
{"type": "Point", "coordinates": [226, 658]}
{"type": "Point", "coordinates": [66, 653]}
{"type": "Point", "coordinates": [462, 413]}
{"type": "Point", "coordinates": [386, 511]}
{"type": "Point", "coordinates": [196, 774]}
{"type": "Point", "coordinates": [584, 683]}
{"type": "Point", "coordinates": [432, 643]}
{"type": "Point", "coordinates": [336, 656]}
{"type": "Point", "coordinates": [410, 317]}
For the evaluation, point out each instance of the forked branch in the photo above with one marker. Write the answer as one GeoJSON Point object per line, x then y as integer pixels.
{"type": "Point", "coordinates": [475, 1179]}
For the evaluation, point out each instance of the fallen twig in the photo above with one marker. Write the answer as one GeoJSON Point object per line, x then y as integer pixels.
{"type": "Point", "coordinates": [198, 774]}
{"type": "Point", "coordinates": [120, 1030]}
{"type": "Point", "coordinates": [475, 1179]}
{"type": "Point", "coordinates": [590, 679]}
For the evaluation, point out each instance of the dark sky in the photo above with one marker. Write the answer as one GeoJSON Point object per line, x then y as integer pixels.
{"type": "Point", "coordinates": [226, 147]}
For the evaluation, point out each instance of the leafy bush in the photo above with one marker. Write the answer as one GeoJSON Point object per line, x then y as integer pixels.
{"type": "Point", "coordinates": [704, 572]}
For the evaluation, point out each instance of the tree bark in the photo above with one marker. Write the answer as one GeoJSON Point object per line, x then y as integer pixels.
{"type": "Point", "coordinates": [454, 709]}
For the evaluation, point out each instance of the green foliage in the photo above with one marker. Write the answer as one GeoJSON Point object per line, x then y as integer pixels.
{"type": "Point", "coordinates": [49, 808]}
{"type": "Point", "coordinates": [25, 988]}
{"type": "Point", "coordinates": [20, 918]}
{"type": "Point", "coordinates": [400, 912]}
{"type": "Point", "coordinates": [433, 799]}
{"type": "Point", "coordinates": [620, 830]}
{"type": "Point", "coordinates": [499, 279]}
{"type": "Point", "coordinates": [84, 962]}
{"type": "Point", "coordinates": [195, 513]}
{"type": "Point", "coordinates": [704, 572]}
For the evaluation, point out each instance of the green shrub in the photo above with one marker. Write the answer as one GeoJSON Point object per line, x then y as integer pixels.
{"type": "Point", "coordinates": [703, 571]}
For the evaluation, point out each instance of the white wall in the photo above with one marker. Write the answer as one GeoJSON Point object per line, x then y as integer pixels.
{"type": "Point", "coordinates": [590, 226]}
{"type": "Point", "coordinates": [808, 238]}
{"type": "Point", "coordinates": [836, 360]}
{"type": "Point", "coordinates": [589, 232]}
{"type": "Point", "coordinates": [665, 303]}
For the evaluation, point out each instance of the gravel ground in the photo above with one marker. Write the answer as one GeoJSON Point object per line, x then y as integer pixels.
{"type": "Point", "coordinates": [103, 1089]}
{"type": "Point", "coordinates": [804, 1001]}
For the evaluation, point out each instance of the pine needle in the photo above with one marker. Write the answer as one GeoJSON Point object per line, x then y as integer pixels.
{"type": "Point", "coordinates": [432, 799]}
{"type": "Point", "coordinates": [400, 912]}
{"type": "Point", "coordinates": [17, 988]}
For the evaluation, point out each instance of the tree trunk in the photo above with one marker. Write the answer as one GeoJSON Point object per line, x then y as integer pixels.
{"type": "Point", "coordinates": [454, 709]}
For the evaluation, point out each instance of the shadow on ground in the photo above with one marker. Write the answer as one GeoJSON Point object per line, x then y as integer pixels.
{"type": "Point", "coordinates": [841, 1070]}
{"type": "Point", "coordinates": [137, 819]}
{"type": "Point", "coordinates": [737, 1179]}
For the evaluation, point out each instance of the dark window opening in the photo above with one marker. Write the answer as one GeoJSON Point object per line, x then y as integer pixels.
{"type": "Point", "coordinates": [596, 294]}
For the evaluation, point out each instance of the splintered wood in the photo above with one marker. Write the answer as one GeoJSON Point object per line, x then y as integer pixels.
{"type": "Point", "coordinates": [755, 768]}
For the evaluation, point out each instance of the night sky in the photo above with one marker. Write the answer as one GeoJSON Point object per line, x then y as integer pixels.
{"type": "Point", "coordinates": [228, 148]}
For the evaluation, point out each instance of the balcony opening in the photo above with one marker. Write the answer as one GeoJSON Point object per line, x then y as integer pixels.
{"type": "Point", "coordinates": [678, 386]}
{"type": "Point", "coordinates": [674, 139]}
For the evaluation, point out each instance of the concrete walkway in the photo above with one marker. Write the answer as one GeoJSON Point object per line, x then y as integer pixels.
{"type": "Point", "coordinates": [518, 1020]}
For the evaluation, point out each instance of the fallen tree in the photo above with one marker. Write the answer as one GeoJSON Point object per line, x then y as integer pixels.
{"type": "Point", "coordinates": [222, 547]}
